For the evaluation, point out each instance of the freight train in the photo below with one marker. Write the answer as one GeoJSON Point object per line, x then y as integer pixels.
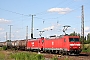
{"type": "Point", "coordinates": [56, 44]}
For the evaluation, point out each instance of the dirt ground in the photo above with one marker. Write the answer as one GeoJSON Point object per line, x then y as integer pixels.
{"type": "Point", "coordinates": [82, 56]}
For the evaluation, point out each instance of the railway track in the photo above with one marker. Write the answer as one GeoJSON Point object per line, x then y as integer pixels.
{"type": "Point", "coordinates": [82, 56]}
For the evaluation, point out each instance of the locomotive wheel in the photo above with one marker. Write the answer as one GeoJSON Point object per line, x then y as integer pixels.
{"type": "Point", "coordinates": [69, 53]}
{"type": "Point", "coordinates": [56, 51]}
{"type": "Point", "coordinates": [59, 52]}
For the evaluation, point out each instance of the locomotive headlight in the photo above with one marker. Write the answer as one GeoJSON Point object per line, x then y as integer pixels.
{"type": "Point", "coordinates": [79, 47]}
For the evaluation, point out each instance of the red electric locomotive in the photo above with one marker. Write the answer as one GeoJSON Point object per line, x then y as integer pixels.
{"type": "Point", "coordinates": [35, 44]}
{"type": "Point", "coordinates": [63, 44]}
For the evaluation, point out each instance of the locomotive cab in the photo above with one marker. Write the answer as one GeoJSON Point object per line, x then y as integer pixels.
{"type": "Point", "coordinates": [74, 45]}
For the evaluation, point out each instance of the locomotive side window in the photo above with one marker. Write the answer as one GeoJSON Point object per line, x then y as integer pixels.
{"type": "Point", "coordinates": [73, 40]}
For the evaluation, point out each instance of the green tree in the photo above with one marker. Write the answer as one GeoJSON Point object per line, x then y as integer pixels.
{"type": "Point", "coordinates": [8, 41]}
{"type": "Point", "coordinates": [88, 38]}
{"type": "Point", "coordinates": [73, 34]}
{"type": "Point", "coordinates": [85, 38]}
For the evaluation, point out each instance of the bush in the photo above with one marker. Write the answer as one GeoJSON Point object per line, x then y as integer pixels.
{"type": "Point", "coordinates": [20, 56]}
{"type": "Point", "coordinates": [86, 48]}
{"type": "Point", "coordinates": [27, 56]}
{"type": "Point", "coordinates": [39, 57]}
{"type": "Point", "coordinates": [4, 48]}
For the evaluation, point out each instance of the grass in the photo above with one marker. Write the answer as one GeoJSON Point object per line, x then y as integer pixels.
{"type": "Point", "coordinates": [10, 55]}
{"type": "Point", "coordinates": [0, 48]}
{"type": "Point", "coordinates": [27, 56]}
{"type": "Point", "coordinates": [86, 48]}
{"type": "Point", "coordinates": [15, 55]}
{"type": "Point", "coordinates": [2, 56]}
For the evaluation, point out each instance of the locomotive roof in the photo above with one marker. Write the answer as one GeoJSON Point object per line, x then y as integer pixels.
{"type": "Point", "coordinates": [61, 36]}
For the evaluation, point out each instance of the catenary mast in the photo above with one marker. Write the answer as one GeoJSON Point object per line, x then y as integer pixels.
{"type": "Point", "coordinates": [82, 26]}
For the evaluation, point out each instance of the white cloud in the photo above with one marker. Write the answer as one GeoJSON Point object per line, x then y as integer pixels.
{"type": "Point", "coordinates": [60, 10]}
{"type": "Point", "coordinates": [1, 29]}
{"type": "Point", "coordinates": [4, 21]}
{"type": "Point", "coordinates": [87, 29]}
{"type": "Point", "coordinates": [17, 31]}
{"type": "Point", "coordinates": [78, 16]}
{"type": "Point", "coordinates": [51, 27]}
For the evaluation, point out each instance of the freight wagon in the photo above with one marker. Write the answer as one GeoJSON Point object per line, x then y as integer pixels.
{"type": "Point", "coordinates": [21, 44]}
{"type": "Point", "coordinates": [17, 44]}
{"type": "Point", "coordinates": [1, 44]}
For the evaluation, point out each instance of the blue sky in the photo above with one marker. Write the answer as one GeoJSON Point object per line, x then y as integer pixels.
{"type": "Point", "coordinates": [49, 14]}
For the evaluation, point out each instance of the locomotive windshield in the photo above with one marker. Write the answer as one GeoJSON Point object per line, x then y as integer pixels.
{"type": "Point", "coordinates": [73, 40]}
